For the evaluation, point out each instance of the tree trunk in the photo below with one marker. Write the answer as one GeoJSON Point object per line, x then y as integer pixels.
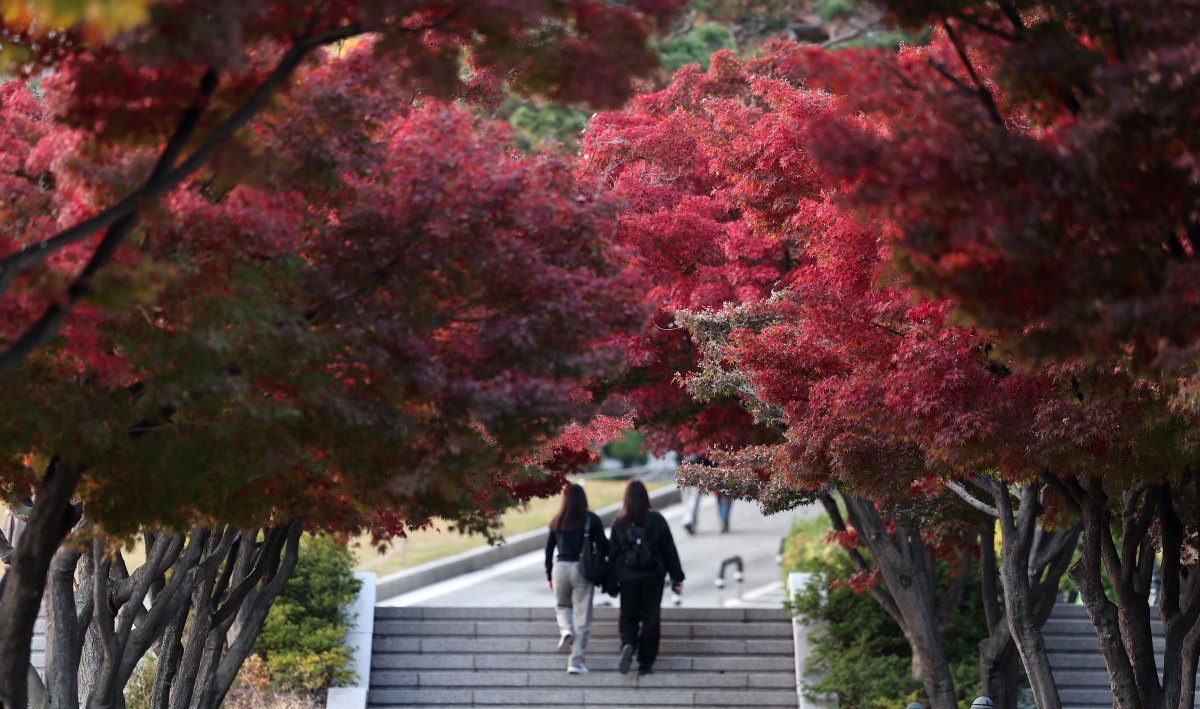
{"type": "Point", "coordinates": [1092, 505]}
{"type": "Point", "coordinates": [902, 561]}
{"type": "Point", "coordinates": [1032, 561]}
{"type": "Point", "coordinates": [998, 671]}
{"type": "Point", "coordinates": [100, 627]}
{"type": "Point", "coordinates": [1179, 601]}
{"type": "Point", "coordinates": [1027, 635]}
{"type": "Point", "coordinates": [49, 523]}
{"type": "Point", "coordinates": [1022, 566]}
{"type": "Point", "coordinates": [999, 668]}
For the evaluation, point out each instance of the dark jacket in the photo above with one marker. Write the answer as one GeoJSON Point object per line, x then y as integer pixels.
{"type": "Point", "coordinates": [570, 544]}
{"type": "Point", "coordinates": [658, 537]}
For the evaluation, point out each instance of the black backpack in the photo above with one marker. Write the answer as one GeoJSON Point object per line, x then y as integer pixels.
{"type": "Point", "coordinates": [592, 562]}
{"type": "Point", "coordinates": [638, 555]}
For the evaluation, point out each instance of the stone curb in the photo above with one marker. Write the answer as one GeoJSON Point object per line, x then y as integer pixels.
{"type": "Point", "coordinates": [476, 559]}
{"type": "Point", "coordinates": [359, 637]}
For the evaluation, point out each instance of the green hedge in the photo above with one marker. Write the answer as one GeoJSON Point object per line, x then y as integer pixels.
{"type": "Point", "coordinates": [862, 653]}
{"type": "Point", "coordinates": [303, 641]}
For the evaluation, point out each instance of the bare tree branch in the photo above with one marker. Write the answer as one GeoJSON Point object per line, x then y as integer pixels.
{"type": "Point", "coordinates": [985, 96]}
{"type": "Point", "coordinates": [971, 500]}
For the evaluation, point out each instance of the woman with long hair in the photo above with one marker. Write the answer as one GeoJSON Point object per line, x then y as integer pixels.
{"type": "Point", "coordinates": [643, 551]}
{"type": "Point", "coordinates": [569, 530]}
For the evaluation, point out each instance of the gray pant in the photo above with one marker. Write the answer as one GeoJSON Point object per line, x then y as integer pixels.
{"type": "Point", "coordinates": [573, 605]}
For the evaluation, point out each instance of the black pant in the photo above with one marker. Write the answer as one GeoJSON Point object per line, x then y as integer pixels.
{"type": "Point", "coordinates": [641, 601]}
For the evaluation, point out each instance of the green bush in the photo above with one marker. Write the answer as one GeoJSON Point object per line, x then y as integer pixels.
{"type": "Point", "coordinates": [140, 690]}
{"type": "Point", "coordinates": [862, 654]}
{"type": "Point", "coordinates": [303, 641]}
{"type": "Point", "coordinates": [696, 46]}
{"type": "Point", "coordinates": [541, 127]}
{"type": "Point", "coordinates": [830, 10]}
{"type": "Point", "coordinates": [629, 449]}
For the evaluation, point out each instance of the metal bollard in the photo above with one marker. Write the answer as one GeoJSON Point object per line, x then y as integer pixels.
{"type": "Point", "coordinates": [982, 703]}
{"type": "Point", "coordinates": [737, 574]}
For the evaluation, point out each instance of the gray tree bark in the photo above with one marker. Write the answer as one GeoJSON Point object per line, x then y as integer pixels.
{"type": "Point", "coordinates": [911, 597]}
{"type": "Point", "coordinates": [1118, 540]}
{"type": "Point", "coordinates": [1032, 561]}
{"type": "Point", "coordinates": [998, 659]}
{"type": "Point", "coordinates": [49, 523]}
{"type": "Point", "coordinates": [102, 619]}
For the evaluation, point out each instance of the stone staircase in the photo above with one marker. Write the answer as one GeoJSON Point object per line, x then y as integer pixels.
{"type": "Point", "coordinates": [460, 657]}
{"type": "Point", "coordinates": [1076, 661]}
{"type": "Point", "coordinates": [37, 654]}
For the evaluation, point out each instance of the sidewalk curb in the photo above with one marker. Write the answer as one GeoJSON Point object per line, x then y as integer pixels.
{"type": "Point", "coordinates": [476, 559]}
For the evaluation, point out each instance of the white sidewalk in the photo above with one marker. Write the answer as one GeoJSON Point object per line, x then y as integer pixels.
{"type": "Point", "coordinates": [521, 582]}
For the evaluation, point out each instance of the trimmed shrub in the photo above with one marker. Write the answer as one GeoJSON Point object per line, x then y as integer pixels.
{"type": "Point", "coordinates": [861, 653]}
{"type": "Point", "coordinates": [629, 449]}
{"type": "Point", "coordinates": [303, 642]}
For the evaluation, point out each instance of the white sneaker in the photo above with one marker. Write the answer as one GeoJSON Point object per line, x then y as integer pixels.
{"type": "Point", "coordinates": [576, 670]}
{"type": "Point", "coordinates": [564, 643]}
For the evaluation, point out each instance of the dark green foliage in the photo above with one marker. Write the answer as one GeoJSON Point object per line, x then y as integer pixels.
{"type": "Point", "coordinates": [834, 9]}
{"type": "Point", "coordinates": [887, 39]}
{"type": "Point", "coordinates": [752, 21]}
{"type": "Point", "coordinates": [629, 449]}
{"type": "Point", "coordinates": [304, 639]}
{"type": "Point", "coordinates": [861, 652]}
{"type": "Point", "coordinates": [696, 46]}
{"type": "Point", "coordinates": [540, 127]}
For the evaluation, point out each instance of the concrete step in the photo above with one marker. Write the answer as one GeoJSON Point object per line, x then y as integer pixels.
{"type": "Point", "coordinates": [548, 646]}
{"type": "Point", "coordinates": [709, 657]}
{"type": "Point", "coordinates": [599, 677]}
{"type": "Point", "coordinates": [1069, 610]}
{"type": "Point", "coordinates": [566, 696]}
{"type": "Point", "coordinates": [592, 705]}
{"type": "Point", "coordinates": [547, 627]}
{"type": "Point", "coordinates": [596, 661]}
{"type": "Point", "coordinates": [1083, 626]}
{"type": "Point", "coordinates": [669, 615]}
{"type": "Point", "coordinates": [1076, 660]}
{"type": "Point", "coordinates": [1086, 644]}
{"type": "Point", "coordinates": [1077, 697]}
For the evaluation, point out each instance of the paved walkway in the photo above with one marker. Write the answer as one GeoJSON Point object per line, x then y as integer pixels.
{"type": "Point", "coordinates": [521, 582]}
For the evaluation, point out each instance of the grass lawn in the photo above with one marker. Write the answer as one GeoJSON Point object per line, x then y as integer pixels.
{"type": "Point", "coordinates": [424, 546]}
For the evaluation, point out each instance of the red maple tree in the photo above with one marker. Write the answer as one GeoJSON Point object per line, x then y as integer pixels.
{"type": "Point", "coordinates": [344, 309]}
{"type": "Point", "coordinates": [880, 392]}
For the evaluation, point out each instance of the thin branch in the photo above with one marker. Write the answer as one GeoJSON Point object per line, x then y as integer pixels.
{"type": "Point", "coordinates": [958, 84]}
{"type": "Point", "coordinates": [1013, 16]}
{"type": "Point", "coordinates": [988, 29]}
{"type": "Point", "coordinates": [880, 595]}
{"type": "Point", "coordinates": [1118, 29]}
{"type": "Point", "coordinates": [988, 573]}
{"type": "Point", "coordinates": [34, 253]}
{"type": "Point", "coordinates": [971, 500]}
{"type": "Point", "coordinates": [1048, 549]}
{"type": "Point", "coordinates": [953, 597]}
{"type": "Point", "coordinates": [101, 611]}
{"type": "Point", "coordinates": [1070, 491]}
{"type": "Point", "coordinates": [121, 217]}
{"type": "Point", "coordinates": [835, 41]}
{"type": "Point", "coordinates": [21, 260]}
{"type": "Point", "coordinates": [269, 550]}
{"type": "Point", "coordinates": [989, 103]}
